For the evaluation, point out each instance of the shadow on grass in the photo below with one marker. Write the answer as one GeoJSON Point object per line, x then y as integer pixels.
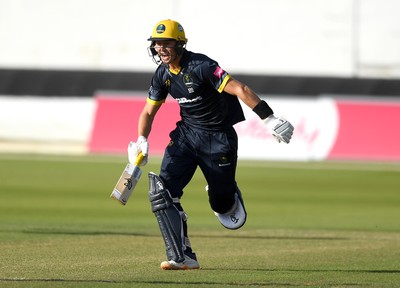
{"type": "Point", "coordinates": [218, 284]}
{"type": "Point", "coordinates": [119, 233]}
{"type": "Point", "coordinates": [244, 284]}
{"type": "Point", "coordinates": [312, 270]}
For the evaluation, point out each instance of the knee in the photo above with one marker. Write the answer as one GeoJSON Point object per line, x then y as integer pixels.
{"type": "Point", "coordinates": [159, 196]}
{"type": "Point", "coordinates": [221, 202]}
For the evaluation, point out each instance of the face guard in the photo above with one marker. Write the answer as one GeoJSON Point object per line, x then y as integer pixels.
{"type": "Point", "coordinates": [178, 48]}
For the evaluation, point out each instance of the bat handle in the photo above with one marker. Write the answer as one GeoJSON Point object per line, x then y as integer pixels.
{"type": "Point", "coordinates": [139, 159]}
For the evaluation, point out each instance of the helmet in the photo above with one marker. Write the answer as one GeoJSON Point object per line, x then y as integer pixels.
{"type": "Point", "coordinates": [168, 30]}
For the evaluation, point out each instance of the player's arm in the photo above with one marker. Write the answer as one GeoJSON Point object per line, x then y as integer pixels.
{"type": "Point", "coordinates": [146, 118]}
{"type": "Point", "coordinates": [145, 122]}
{"type": "Point", "coordinates": [281, 129]}
{"type": "Point", "coordinates": [244, 92]}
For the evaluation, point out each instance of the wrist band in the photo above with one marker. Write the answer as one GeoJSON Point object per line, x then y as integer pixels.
{"type": "Point", "coordinates": [263, 110]}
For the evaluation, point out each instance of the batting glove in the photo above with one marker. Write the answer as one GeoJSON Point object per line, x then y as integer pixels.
{"type": "Point", "coordinates": [280, 128]}
{"type": "Point", "coordinates": [141, 145]}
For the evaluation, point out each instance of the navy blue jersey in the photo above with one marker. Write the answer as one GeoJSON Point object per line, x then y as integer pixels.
{"type": "Point", "coordinates": [198, 88]}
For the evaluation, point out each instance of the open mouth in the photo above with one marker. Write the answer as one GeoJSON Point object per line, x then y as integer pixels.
{"type": "Point", "coordinates": [165, 57]}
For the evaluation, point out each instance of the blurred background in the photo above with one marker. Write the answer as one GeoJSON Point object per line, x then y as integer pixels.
{"type": "Point", "coordinates": [74, 73]}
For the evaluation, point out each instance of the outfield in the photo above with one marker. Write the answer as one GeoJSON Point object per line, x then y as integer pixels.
{"type": "Point", "coordinates": [316, 224]}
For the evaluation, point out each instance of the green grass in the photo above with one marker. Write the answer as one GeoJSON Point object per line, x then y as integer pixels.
{"type": "Point", "coordinates": [317, 224]}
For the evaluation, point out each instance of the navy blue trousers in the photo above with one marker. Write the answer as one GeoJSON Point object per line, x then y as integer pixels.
{"type": "Point", "coordinates": [215, 152]}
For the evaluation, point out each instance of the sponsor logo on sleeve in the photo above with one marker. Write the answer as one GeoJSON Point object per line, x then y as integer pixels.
{"type": "Point", "coordinates": [219, 72]}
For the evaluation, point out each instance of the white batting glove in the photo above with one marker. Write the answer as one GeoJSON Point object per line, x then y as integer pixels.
{"type": "Point", "coordinates": [280, 128]}
{"type": "Point", "coordinates": [141, 145]}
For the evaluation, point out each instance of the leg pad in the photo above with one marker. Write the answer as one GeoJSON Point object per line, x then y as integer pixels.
{"type": "Point", "coordinates": [168, 218]}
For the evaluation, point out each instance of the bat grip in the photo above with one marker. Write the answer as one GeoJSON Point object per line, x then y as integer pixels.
{"type": "Point", "coordinates": [139, 159]}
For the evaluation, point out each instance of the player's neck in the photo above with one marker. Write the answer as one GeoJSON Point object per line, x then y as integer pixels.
{"type": "Point", "coordinates": [175, 65]}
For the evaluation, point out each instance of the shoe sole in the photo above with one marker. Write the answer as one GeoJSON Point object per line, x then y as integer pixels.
{"type": "Point", "coordinates": [167, 266]}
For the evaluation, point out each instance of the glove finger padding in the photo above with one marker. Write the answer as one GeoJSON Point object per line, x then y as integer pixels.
{"type": "Point", "coordinates": [282, 130]}
{"type": "Point", "coordinates": [143, 146]}
{"type": "Point", "coordinates": [133, 152]}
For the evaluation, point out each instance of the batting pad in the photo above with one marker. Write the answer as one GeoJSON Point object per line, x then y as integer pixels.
{"type": "Point", "coordinates": [236, 217]}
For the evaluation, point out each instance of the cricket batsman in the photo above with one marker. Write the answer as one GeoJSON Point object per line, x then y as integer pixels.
{"type": "Point", "coordinates": [208, 97]}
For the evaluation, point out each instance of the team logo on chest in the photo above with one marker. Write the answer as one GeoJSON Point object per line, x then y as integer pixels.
{"type": "Point", "coordinates": [188, 81]}
{"type": "Point", "coordinates": [167, 83]}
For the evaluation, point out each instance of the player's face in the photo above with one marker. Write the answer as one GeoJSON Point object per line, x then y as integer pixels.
{"type": "Point", "coordinates": [166, 50]}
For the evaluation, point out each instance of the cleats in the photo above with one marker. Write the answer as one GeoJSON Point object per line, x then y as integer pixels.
{"type": "Point", "coordinates": [187, 264]}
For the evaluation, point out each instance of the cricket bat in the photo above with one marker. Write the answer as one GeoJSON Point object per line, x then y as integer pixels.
{"type": "Point", "coordinates": [128, 180]}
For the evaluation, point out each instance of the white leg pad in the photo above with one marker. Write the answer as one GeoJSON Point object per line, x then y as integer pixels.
{"type": "Point", "coordinates": [235, 217]}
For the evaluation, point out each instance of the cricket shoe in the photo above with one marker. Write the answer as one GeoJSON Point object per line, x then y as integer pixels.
{"type": "Point", "coordinates": [187, 264]}
{"type": "Point", "coordinates": [236, 216]}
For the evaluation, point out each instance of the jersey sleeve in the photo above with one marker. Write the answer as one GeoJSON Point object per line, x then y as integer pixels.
{"type": "Point", "coordinates": [217, 76]}
{"type": "Point", "coordinates": [158, 91]}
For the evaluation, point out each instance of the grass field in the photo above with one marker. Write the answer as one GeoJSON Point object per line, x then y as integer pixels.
{"type": "Point", "coordinates": [317, 224]}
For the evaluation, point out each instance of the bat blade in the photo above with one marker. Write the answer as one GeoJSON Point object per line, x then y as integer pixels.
{"type": "Point", "coordinates": [127, 182]}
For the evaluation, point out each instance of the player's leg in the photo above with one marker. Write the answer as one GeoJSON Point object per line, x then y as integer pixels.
{"type": "Point", "coordinates": [177, 169]}
{"type": "Point", "coordinates": [171, 219]}
{"type": "Point", "coordinates": [187, 246]}
{"type": "Point", "coordinates": [219, 168]}
{"type": "Point", "coordinates": [236, 216]}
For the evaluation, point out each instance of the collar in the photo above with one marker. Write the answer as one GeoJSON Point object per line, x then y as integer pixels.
{"type": "Point", "coordinates": [179, 68]}
{"type": "Point", "coordinates": [175, 71]}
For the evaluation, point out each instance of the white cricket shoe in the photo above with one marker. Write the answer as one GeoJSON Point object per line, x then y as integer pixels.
{"type": "Point", "coordinates": [187, 264]}
{"type": "Point", "coordinates": [235, 217]}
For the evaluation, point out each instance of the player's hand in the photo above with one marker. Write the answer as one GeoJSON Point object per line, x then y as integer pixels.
{"type": "Point", "coordinates": [141, 145]}
{"type": "Point", "coordinates": [280, 128]}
